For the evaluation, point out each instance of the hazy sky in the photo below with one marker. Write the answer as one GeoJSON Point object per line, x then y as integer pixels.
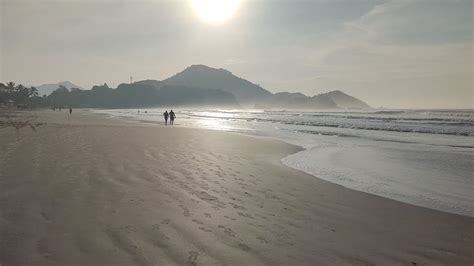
{"type": "Point", "coordinates": [408, 54]}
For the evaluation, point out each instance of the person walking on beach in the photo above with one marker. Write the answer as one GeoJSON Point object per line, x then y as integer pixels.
{"type": "Point", "coordinates": [166, 115]}
{"type": "Point", "coordinates": [70, 110]}
{"type": "Point", "coordinates": [172, 117]}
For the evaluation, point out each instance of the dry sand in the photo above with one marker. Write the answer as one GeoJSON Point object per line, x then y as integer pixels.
{"type": "Point", "coordinates": [90, 190]}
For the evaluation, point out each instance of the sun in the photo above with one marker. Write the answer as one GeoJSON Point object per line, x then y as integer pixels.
{"type": "Point", "coordinates": [215, 11]}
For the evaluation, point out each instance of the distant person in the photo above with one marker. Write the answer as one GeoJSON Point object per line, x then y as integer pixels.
{"type": "Point", "coordinates": [172, 117]}
{"type": "Point", "coordinates": [70, 110]}
{"type": "Point", "coordinates": [166, 115]}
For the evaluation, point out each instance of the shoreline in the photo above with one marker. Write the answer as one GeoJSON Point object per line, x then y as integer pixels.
{"type": "Point", "coordinates": [99, 186]}
{"type": "Point", "coordinates": [422, 200]}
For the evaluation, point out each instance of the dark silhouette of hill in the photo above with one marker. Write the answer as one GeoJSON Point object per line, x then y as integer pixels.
{"type": "Point", "coordinates": [346, 101]}
{"type": "Point", "coordinates": [150, 82]}
{"type": "Point", "coordinates": [185, 96]}
{"type": "Point", "coordinates": [330, 100]}
{"type": "Point", "coordinates": [105, 97]}
{"type": "Point", "coordinates": [200, 76]}
{"type": "Point", "coordinates": [198, 85]}
{"type": "Point", "coordinates": [46, 89]}
{"type": "Point", "coordinates": [287, 100]}
{"type": "Point", "coordinates": [141, 95]}
{"type": "Point", "coordinates": [251, 95]}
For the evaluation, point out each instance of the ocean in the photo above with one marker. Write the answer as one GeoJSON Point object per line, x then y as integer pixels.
{"type": "Point", "coordinates": [420, 157]}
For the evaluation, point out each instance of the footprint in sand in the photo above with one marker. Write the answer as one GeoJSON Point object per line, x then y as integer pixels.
{"type": "Point", "coordinates": [236, 206]}
{"type": "Point", "coordinates": [166, 221]}
{"type": "Point", "coordinates": [207, 215]}
{"type": "Point", "coordinates": [244, 247]}
{"type": "Point", "coordinates": [205, 229]}
{"type": "Point", "coordinates": [246, 215]}
{"type": "Point", "coordinates": [197, 221]}
{"type": "Point", "coordinates": [186, 212]}
{"type": "Point", "coordinates": [192, 258]}
{"type": "Point", "coordinates": [227, 217]}
{"type": "Point", "coordinates": [46, 217]}
{"type": "Point", "coordinates": [227, 231]}
{"type": "Point", "coordinates": [263, 240]}
{"type": "Point", "coordinates": [205, 196]}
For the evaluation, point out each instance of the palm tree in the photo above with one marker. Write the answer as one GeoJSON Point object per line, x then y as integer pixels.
{"type": "Point", "coordinates": [3, 93]}
{"type": "Point", "coordinates": [33, 92]}
{"type": "Point", "coordinates": [20, 87]}
{"type": "Point", "coordinates": [10, 87]}
{"type": "Point", "coordinates": [21, 94]}
{"type": "Point", "coordinates": [3, 88]}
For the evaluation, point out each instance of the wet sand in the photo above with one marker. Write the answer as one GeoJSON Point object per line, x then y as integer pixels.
{"type": "Point", "coordinates": [90, 190]}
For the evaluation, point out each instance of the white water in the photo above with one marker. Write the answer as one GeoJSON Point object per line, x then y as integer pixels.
{"type": "Point", "coordinates": [423, 158]}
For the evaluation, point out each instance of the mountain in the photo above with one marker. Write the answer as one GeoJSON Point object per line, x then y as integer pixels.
{"type": "Point", "coordinates": [330, 100]}
{"type": "Point", "coordinates": [46, 89]}
{"type": "Point", "coordinates": [343, 100]}
{"type": "Point", "coordinates": [141, 95]}
{"type": "Point", "coordinates": [200, 76]}
{"type": "Point", "coordinates": [287, 100]}
{"type": "Point", "coordinates": [196, 97]}
{"type": "Point", "coordinates": [196, 86]}
{"type": "Point", "coordinates": [251, 95]}
{"type": "Point", "coordinates": [150, 82]}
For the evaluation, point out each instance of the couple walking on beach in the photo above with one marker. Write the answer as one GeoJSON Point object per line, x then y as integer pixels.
{"type": "Point", "coordinates": [171, 116]}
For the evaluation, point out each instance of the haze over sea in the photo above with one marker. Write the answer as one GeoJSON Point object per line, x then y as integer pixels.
{"type": "Point", "coordinates": [421, 157]}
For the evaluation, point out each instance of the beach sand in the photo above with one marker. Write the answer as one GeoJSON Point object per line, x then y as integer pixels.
{"type": "Point", "coordinates": [90, 190]}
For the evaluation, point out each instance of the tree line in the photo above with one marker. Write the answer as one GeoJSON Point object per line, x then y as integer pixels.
{"type": "Point", "coordinates": [19, 95]}
{"type": "Point", "coordinates": [124, 96]}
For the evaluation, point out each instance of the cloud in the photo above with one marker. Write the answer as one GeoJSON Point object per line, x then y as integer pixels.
{"type": "Point", "coordinates": [400, 49]}
{"type": "Point", "coordinates": [406, 22]}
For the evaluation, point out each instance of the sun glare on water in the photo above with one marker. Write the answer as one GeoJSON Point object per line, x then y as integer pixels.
{"type": "Point", "coordinates": [215, 11]}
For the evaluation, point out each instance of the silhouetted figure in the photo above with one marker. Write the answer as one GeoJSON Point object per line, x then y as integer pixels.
{"type": "Point", "coordinates": [166, 115]}
{"type": "Point", "coordinates": [172, 117]}
{"type": "Point", "coordinates": [70, 110]}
